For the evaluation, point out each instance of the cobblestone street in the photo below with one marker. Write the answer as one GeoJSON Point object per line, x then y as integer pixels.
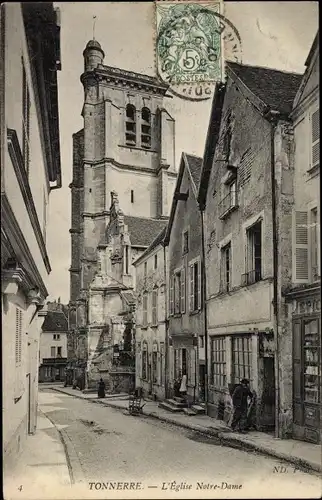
{"type": "Point", "coordinates": [107, 445]}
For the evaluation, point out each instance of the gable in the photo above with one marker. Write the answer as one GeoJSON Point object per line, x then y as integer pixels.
{"type": "Point", "coordinates": [310, 81]}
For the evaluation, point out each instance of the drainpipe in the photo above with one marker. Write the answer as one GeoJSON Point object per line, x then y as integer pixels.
{"type": "Point", "coordinates": [166, 322]}
{"type": "Point", "coordinates": [273, 117]}
{"type": "Point", "coordinates": [204, 292]}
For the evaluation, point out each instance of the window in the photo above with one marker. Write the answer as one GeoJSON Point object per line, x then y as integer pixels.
{"type": "Point", "coordinates": [233, 193]}
{"type": "Point", "coordinates": [53, 352]}
{"type": "Point", "coordinates": [56, 336]}
{"type": "Point", "coordinates": [162, 366]}
{"type": "Point", "coordinates": [146, 128]}
{"type": "Point", "coordinates": [126, 259]}
{"type": "Point", "coordinates": [155, 307]}
{"type": "Point", "coordinates": [130, 125]}
{"type": "Point", "coordinates": [132, 196]}
{"type": "Point", "coordinates": [242, 358]}
{"type": "Point", "coordinates": [185, 242]}
{"type": "Point", "coordinates": [144, 362]}
{"type": "Point", "coordinates": [154, 367]}
{"type": "Point", "coordinates": [315, 131]}
{"type": "Point", "coordinates": [201, 341]}
{"type": "Point", "coordinates": [226, 268]}
{"type": "Point", "coordinates": [59, 352]}
{"type": "Point", "coordinates": [254, 254]}
{"type": "Point", "coordinates": [25, 120]}
{"type": "Point", "coordinates": [145, 269]}
{"type": "Point", "coordinates": [195, 286]}
{"type": "Point", "coordinates": [314, 242]}
{"type": "Point", "coordinates": [218, 361]}
{"type": "Point", "coordinates": [18, 343]}
{"type": "Point", "coordinates": [229, 201]}
{"type": "Point", "coordinates": [312, 361]}
{"type": "Point", "coordinates": [44, 216]}
{"type": "Point", "coordinates": [145, 309]}
{"type": "Point", "coordinates": [179, 292]}
{"type": "Point", "coordinates": [155, 262]}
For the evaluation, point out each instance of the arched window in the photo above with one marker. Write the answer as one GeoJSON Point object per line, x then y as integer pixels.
{"type": "Point", "coordinates": [146, 128]}
{"type": "Point", "coordinates": [130, 125]}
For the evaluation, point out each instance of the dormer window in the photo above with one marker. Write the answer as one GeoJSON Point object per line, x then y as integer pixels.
{"type": "Point", "coordinates": [146, 128]}
{"type": "Point", "coordinates": [130, 125]}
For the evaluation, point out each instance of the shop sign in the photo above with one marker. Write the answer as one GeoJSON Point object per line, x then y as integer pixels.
{"type": "Point", "coordinates": [307, 306]}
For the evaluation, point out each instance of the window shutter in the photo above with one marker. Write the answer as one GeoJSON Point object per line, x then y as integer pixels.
{"type": "Point", "coordinates": [315, 127]}
{"type": "Point", "coordinates": [191, 290]}
{"type": "Point", "coordinates": [18, 336]}
{"type": "Point", "coordinates": [171, 295]}
{"type": "Point", "coordinates": [301, 247]}
{"type": "Point", "coordinates": [183, 290]}
{"type": "Point", "coordinates": [199, 285]}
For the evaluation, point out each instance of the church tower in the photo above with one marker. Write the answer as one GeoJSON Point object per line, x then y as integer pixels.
{"type": "Point", "coordinates": [126, 147]}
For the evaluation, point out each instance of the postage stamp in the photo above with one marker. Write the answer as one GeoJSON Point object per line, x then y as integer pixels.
{"type": "Point", "coordinates": [193, 41]}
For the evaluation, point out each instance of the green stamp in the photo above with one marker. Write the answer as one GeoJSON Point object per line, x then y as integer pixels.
{"type": "Point", "coordinates": [191, 41]}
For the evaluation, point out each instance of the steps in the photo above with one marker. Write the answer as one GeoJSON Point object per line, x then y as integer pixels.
{"type": "Point", "coordinates": [198, 409]}
{"type": "Point", "coordinates": [174, 405]}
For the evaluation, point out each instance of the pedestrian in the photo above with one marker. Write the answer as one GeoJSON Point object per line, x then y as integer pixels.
{"type": "Point", "coordinates": [240, 402]}
{"type": "Point", "coordinates": [183, 386]}
{"type": "Point", "coordinates": [101, 389]}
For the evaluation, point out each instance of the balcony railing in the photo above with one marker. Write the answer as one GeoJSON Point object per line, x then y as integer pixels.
{"type": "Point", "coordinates": [251, 277]}
{"type": "Point", "coordinates": [56, 361]}
{"type": "Point", "coordinates": [227, 204]}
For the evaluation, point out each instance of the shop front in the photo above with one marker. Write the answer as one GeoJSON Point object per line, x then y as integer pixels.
{"type": "Point", "coordinates": [306, 329]}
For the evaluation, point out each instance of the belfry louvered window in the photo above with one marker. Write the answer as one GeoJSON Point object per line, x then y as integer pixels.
{"type": "Point", "coordinates": [146, 128]}
{"type": "Point", "coordinates": [130, 125]}
{"type": "Point", "coordinates": [18, 343]}
{"type": "Point", "coordinates": [315, 131]}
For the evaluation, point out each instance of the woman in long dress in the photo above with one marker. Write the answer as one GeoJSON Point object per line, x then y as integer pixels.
{"type": "Point", "coordinates": [101, 389]}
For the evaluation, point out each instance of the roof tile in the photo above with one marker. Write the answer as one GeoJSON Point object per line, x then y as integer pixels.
{"type": "Point", "coordinates": [142, 230]}
{"type": "Point", "coordinates": [55, 321]}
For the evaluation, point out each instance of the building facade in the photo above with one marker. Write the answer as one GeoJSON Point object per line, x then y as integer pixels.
{"type": "Point", "coordinates": [302, 404]}
{"type": "Point", "coordinates": [126, 147]}
{"type": "Point", "coordinates": [246, 195]}
{"type": "Point", "coordinates": [30, 169]}
{"type": "Point", "coordinates": [53, 344]}
{"type": "Point", "coordinates": [185, 313]}
{"type": "Point", "coordinates": [151, 320]}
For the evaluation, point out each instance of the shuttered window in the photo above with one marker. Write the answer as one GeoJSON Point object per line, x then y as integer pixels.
{"type": "Point", "coordinates": [145, 309]}
{"type": "Point", "coordinates": [194, 286]}
{"type": "Point", "coordinates": [155, 307]}
{"type": "Point", "coordinates": [301, 247]}
{"type": "Point", "coordinates": [18, 344]}
{"type": "Point", "coordinates": [183, 290]}
{"type": "Point", "coordinates": [171, 296]}
{"type": "Point", "coordinates": [315, 131]}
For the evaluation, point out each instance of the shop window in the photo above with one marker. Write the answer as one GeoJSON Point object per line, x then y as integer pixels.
{"type": "Point", "coordinates": [218, 362]}
{"type": "Point", "coordinates": [242, 358]}
{"type": "Point", "coordinates": [146, 128]}
{"type": "Point", "coordinates": [195, 286]}
{"type": "Point", "coordinates": [154, 307]}
{"type": "Point", "coordinates": [312, 361]}
{"type": "Point", "coordinates": [254, 254]}
{"type": "Point", "coordinates": [130, 125]}
{"type": "Point", "coordinates": [226, 268]}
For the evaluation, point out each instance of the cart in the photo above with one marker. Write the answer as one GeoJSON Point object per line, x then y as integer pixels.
{"type": "Point", "coordinates": [135, 403]}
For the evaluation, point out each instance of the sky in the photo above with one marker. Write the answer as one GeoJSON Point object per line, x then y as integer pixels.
{"type": "Point", "coordinates": [273, 34]}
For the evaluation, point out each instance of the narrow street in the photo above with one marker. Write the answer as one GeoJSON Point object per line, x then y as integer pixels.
{"type": "Point", "coordinates": [108, 445]}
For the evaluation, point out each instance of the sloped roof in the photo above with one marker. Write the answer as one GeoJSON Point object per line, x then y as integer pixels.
{"type": "Point", "coordinates": [276, 89]}
{"type": "Point", "coordinates": [157, 241]}
{"type": "Point", "coordinates": [142, 230]}
{"type": "Point", "coordinates": [55, 321]}
{"type": "Point", "coordinates": [195, 166]}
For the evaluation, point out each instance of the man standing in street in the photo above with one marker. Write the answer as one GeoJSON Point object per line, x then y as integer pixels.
{"type": "Point", "coordinates": [240, 401]}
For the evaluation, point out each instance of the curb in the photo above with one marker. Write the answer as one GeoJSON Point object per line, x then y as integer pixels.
{"type": "Point", "coordinates": [225, 440]}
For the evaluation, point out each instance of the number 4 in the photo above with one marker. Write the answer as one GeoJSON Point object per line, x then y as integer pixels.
{"type": "Point", "coordinates": [20, 488]}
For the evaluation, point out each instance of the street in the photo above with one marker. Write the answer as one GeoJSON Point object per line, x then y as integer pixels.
{"type": "Point", "coordinates": [109, 446]}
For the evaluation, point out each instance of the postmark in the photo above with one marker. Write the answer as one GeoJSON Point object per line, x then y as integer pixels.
{"type": "Point", "coordinates": [193, 41]}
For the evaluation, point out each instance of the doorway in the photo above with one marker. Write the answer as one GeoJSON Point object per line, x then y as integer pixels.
{"type": "Point", "coordinates": [268, 396]}
{"type": "Point", "coordinates": [184, 362]}
{"type": "Point", "coordinates": [202, 382]}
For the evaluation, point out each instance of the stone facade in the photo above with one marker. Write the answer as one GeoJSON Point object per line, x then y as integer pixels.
{"type": "Point", "coordinates": [185, 312]}
{"type": "Point", "coordinates": [247, 215]}
{"type": "Point", "coordinates": [151, 321]}
{"type": "Point", "coordinates": [301, 410]}
{"type": "Point", "coordinates": [127, 147]}
{"type": "Point", "coordinates": [30, 168]}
